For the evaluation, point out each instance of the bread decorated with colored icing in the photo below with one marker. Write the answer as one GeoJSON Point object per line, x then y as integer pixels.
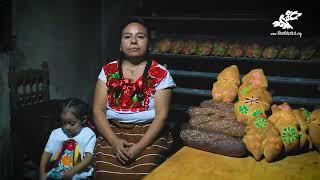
{"type": "Point", "coordinates": [285, 121]}
{"type": "Point", "coordinates": [263, 139]}
{"type": "Point", "coordinates": [314, 128]}
{"type": "Point", "coordinates": [303, 117]}
{"type": "Point", "coordinates": [253, 97]}
{"type": "Point", "coordinates": [225, 89]}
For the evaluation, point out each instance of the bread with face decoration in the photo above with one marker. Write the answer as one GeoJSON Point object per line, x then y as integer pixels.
{"type": "Point", "coordinates": [225, 89]}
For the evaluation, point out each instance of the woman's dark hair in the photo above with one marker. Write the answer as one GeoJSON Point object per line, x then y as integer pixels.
{"type": "Point", "coordinates": [127, 21]}
{"type": "Point", "coordinates": [77, 107]}
{"type": "Point", "coordinates": [149, 61]}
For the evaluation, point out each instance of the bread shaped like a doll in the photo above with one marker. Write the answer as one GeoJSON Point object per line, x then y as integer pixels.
{"type": "Point", "coordinates": [262, 138]}
{"type": "Point", "coordinates": [253, 97]}
{"type": "Point", "coordinates": [314, 128]}
{"type": "Point", "coordinates": [225, 89]}
{"type": "Point", "coordinates": [286, 123]}
{"type": "Point", "coordinates": [303, 116]}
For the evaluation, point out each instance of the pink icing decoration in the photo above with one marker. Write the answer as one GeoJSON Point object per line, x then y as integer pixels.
{"type": "Point", "coordinates": [233, 94]}
{"type": "Point", "coordinates": [255, 79]}
{"type": "Point", "coordinates": [284, 107]}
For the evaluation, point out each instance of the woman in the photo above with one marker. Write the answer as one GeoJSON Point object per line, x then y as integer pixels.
{"type": "Point", "coordinates": [131, 105]}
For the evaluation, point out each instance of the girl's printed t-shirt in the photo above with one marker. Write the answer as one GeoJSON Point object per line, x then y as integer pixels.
{"type": "Point", "coordinates": [85, 142]}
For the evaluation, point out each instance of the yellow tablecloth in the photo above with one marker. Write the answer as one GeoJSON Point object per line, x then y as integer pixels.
{"type": "Point", "coordinates": [190, 163]}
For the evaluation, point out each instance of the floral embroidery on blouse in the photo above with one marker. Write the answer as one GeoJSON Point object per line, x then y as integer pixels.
{"type": "Point", "coordinates": [124, 95]}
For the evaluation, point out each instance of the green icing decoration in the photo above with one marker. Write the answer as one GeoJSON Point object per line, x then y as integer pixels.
{"type": "Point", "coordinates": [243, 109]}
{"type": "Point", "coordinates": [257, 112]}
{"type": "Point", "coordinates": [308, 114]}
{"type": "Point", "coordinates": [289, 134]}
{"type": "Point", "coordinates": [220, 49]}
{"type": "Point", "coordinates": [260, 122]}
{"type": "Point", "coordinates": [245, 90]}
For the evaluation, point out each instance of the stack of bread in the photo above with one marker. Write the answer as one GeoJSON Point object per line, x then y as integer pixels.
{"type": "Point", "coordinates": [234, 129]}
{"type": "Point", "coordinates": [212, 125]}
{"type": "Point", "coordinates": [293, 131]}
{"type": "Point", "coordinates": [261, 136]}
{"type": "Point", "coordinates": [284, 132]}
{"type": "Point", "coordinates": [253, 97]}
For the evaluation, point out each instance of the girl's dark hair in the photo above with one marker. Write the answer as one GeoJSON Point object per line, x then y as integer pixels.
{"type": "Point", "coordinates": [149, 61]}
{"type": "Point", "coordinates": [77, 107]}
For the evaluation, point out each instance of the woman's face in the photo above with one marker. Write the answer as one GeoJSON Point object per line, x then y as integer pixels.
{"type": "Point", "coordinates": [134, 40]}
{"type": "Point", "coordinates": [70, 124]}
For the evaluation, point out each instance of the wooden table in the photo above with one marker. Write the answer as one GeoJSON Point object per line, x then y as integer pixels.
{"type": "Point", "coordinates": [190, 163]}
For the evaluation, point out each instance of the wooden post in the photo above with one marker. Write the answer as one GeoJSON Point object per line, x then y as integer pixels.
{"type": "Point", "coordinates": [45, 71]}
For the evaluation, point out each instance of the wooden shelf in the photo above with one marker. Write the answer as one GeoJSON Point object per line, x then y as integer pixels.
{"type": "Point", "coordinates": [271, 79]}
{"type": "Point", "coordinates": [180, 18]}
{"type": "Point", "coordinates": [277, 99]}
{"type": "Point", "coordinates": [218, 58]}
{"type": "Point", "coordinates": [297, 80]}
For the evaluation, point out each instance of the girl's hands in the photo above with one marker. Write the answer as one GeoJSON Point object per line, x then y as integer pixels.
{"type": "Point", "coordinates": [67, 174]}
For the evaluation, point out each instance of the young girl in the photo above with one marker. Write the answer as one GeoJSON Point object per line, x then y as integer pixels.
{"type": "Point", "coordinates": [69, 150]}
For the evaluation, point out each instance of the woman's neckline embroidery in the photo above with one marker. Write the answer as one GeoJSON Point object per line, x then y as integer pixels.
{"type": "Point", "coordinates": [131, 81]}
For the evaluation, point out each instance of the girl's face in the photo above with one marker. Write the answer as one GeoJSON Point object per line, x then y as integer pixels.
{"type": "Point", "coordinates": [134, 40]}
{"type": "Point", "coordinates": [70, 124]}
